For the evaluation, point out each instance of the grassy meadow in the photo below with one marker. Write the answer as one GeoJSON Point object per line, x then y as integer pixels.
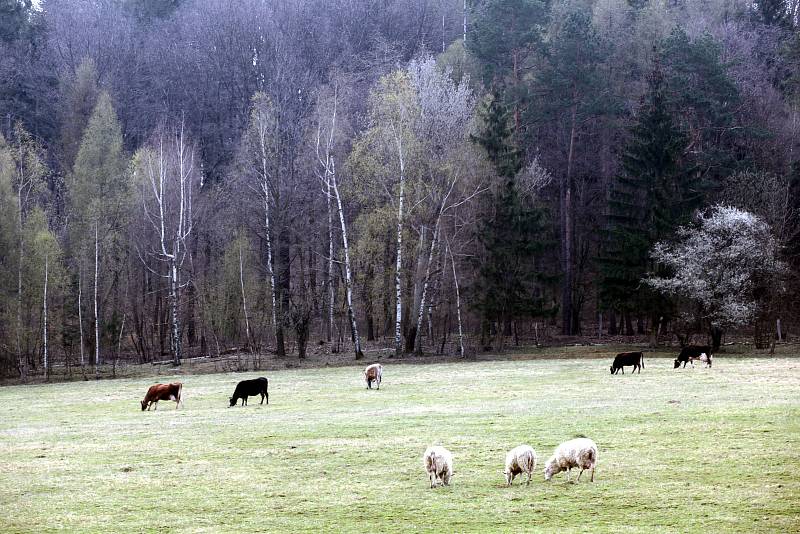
{"type": "Point", "coordinates": [694, 450]}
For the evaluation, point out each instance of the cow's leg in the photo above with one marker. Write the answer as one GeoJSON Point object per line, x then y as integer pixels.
{"type": "Point", "coordinates": [155, 406]}
{"type": "Point", "coordinates": [623, 369]}
{"type": "Point", "coordinates": [262, 399]}
{"type": "Point", "coordinates": [379, 383]}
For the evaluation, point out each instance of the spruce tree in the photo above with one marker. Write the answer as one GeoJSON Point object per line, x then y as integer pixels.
{"type": "Point", "coordinates": [507, 286]}
{"type": "Point", "coordinates": [648, 200]}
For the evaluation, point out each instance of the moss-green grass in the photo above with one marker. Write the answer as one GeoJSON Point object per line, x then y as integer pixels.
{"type": "Point", "coordinates": [692, 450]}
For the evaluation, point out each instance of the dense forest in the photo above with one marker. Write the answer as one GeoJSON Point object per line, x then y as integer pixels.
{"type": "Point", "coordinates": [193, 177]}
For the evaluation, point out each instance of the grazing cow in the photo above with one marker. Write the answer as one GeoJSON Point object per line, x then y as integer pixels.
{"type": "Point", "coordinates": [157, 392]}
{"type": "Point", "coordinates": [691, 353]}
{"type": "Point", "coordinates": [636, 359]}
{"type": "Point", "coordinates": [373, 374]}
{"type": "Point", "coordinates": [250, 388]}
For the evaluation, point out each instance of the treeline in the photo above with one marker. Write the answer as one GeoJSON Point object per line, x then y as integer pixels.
{"type": "Point", "coordinates": [191, 177]}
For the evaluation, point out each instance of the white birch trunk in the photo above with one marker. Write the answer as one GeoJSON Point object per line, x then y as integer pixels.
{"type": "Point", "coordinates": [20, 359]}
{"type": "Point", "coordinates": [244, 300]}
{"type": "Point", "coordinates": [330, 264]}
{"type": "Point", "coordinates": [268, 239]}
{"type": "Point", "coordinates": [80, 312]}
{"type": "Point", "coordinates": [398, 274]}
{"type": "Point", "coordinates": [44, 317]}
{"type": "Point", "coordinates": [465, 22]}
{"type": "Point", "coordinates": [458, 305]}
{"type": "Point", "coordinates": [173, 305]}
{"type": "Point", "coordinates": [425, 283]}
{"type": "Point", "coordinates": [96, 315]}
{"type": "Point", "coordinates": [348, 276]}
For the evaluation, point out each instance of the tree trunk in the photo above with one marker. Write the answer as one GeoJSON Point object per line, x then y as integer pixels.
{"type": "Point", "coordinates": [716, 338]}
{"type": "Point", "coordinates": [244, 300]}
{"type": "Point", "coordinates": [270, 268]}
{"type": "Point", "coordinates": [284, 281]}
{"type": "Point", "coordinates": [458, 305]}
{"type": "Point", "coordinates": [398, 339]}
{"type": "Point", "coordinates": [175, 336]}
{"type": "Point", "coordinates": [425, 283]}
{"type": "Point", "coordinates": [97, 358]}
{"type": "Point", "coordinates": [348, 280]}
{"type": "Point", "coordinates": [80, 311]}
{"type": "Point", "coordinates": [612, 322]}
{"type": "Point", "coordinates": [628, 324]}
{"type": "Point", "coordinates": [567, 229]}
{"type": "Point", "coordinates": [329, 274]}
{"type": "Point", "coordinates": [655, 326]}
{"type": "Point", "coordinates": [21, 360]}
{"type": "Point", "coordinates": [44, 319]}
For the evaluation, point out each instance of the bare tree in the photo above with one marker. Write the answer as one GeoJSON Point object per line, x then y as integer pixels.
{"type": "Point", "coordinates": [328, 177]}
{"type": "Point", "coordinates": [167, 188]}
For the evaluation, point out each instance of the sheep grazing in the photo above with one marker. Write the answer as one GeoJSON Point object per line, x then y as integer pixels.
{"type": "Point", "coordinates": [438, 463]}
{"type": "Point", "coordinates": [521, 459]}
{"type": "Point", "coordinates": [373, 374]}
{"type": "Point", "coordinates": [578, 452]}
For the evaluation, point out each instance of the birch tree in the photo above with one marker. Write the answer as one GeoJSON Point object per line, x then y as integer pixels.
{"type": "Point", "coordinates": [444, 126]}
{"type": "Point", "coordinates": [383, 153]}
{"type": "Point", "coordinates": [167, 176]}
{"type": "Point", "coordinates": [325, 141]}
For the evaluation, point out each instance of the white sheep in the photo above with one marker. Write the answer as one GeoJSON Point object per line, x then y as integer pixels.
{"type": "Point", "coordinates": [578, 452]}
{"type": "Point", "coordinates": [521, 459]}
{"type": "Point", "coordinates": [438, 463]}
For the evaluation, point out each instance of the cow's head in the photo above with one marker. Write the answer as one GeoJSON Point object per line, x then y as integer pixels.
{"type": "Point", "coordinates": [144, 405]}
{"type": "Point", "coordinates": [233, 401]}
{"type": "Point", "coordinates": [612, 369]}
{"type": "Point", "coordinates": [677, 363]}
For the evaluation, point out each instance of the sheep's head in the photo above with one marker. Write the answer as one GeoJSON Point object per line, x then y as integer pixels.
{"type": "Point", "coordinates": [677, 363]}
{"type": "Point", "coordinates": [550, 469]}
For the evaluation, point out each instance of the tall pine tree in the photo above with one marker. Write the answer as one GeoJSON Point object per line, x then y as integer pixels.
{"type": "Point", "coordinates": [648, 200]}
{"type": "Point", "coordinates": [508, 283]}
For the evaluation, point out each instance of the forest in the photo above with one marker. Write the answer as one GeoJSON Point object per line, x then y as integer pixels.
{"type": "Point", "coordinates": [187, 178]}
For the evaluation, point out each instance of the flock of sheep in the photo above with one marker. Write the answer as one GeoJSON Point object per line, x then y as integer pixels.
{"type": "Point", "coordinates": [438, 461]}
{"type": "Point", "coordinates": [575, 453]}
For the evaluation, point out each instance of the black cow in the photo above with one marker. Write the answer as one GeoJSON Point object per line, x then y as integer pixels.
{"type": "Point", "coordinates": [691, 353]}
{"type": "Point", "coordinates": [636, 359]}
{"type": "Point", "coordinates": [250, 388]}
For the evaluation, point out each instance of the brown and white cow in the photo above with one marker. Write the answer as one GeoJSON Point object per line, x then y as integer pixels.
{"type": "Point", "coordinates": [166, 392]}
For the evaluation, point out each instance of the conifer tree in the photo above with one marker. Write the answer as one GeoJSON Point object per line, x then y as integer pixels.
{"type": "Point", "coordinates": [648, 200]}
{"type": "Point", "coordinates": [508, 279]}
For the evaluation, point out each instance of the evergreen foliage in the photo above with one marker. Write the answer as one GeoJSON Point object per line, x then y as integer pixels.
{"type": "Point", "coordinates": [648, 200]}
